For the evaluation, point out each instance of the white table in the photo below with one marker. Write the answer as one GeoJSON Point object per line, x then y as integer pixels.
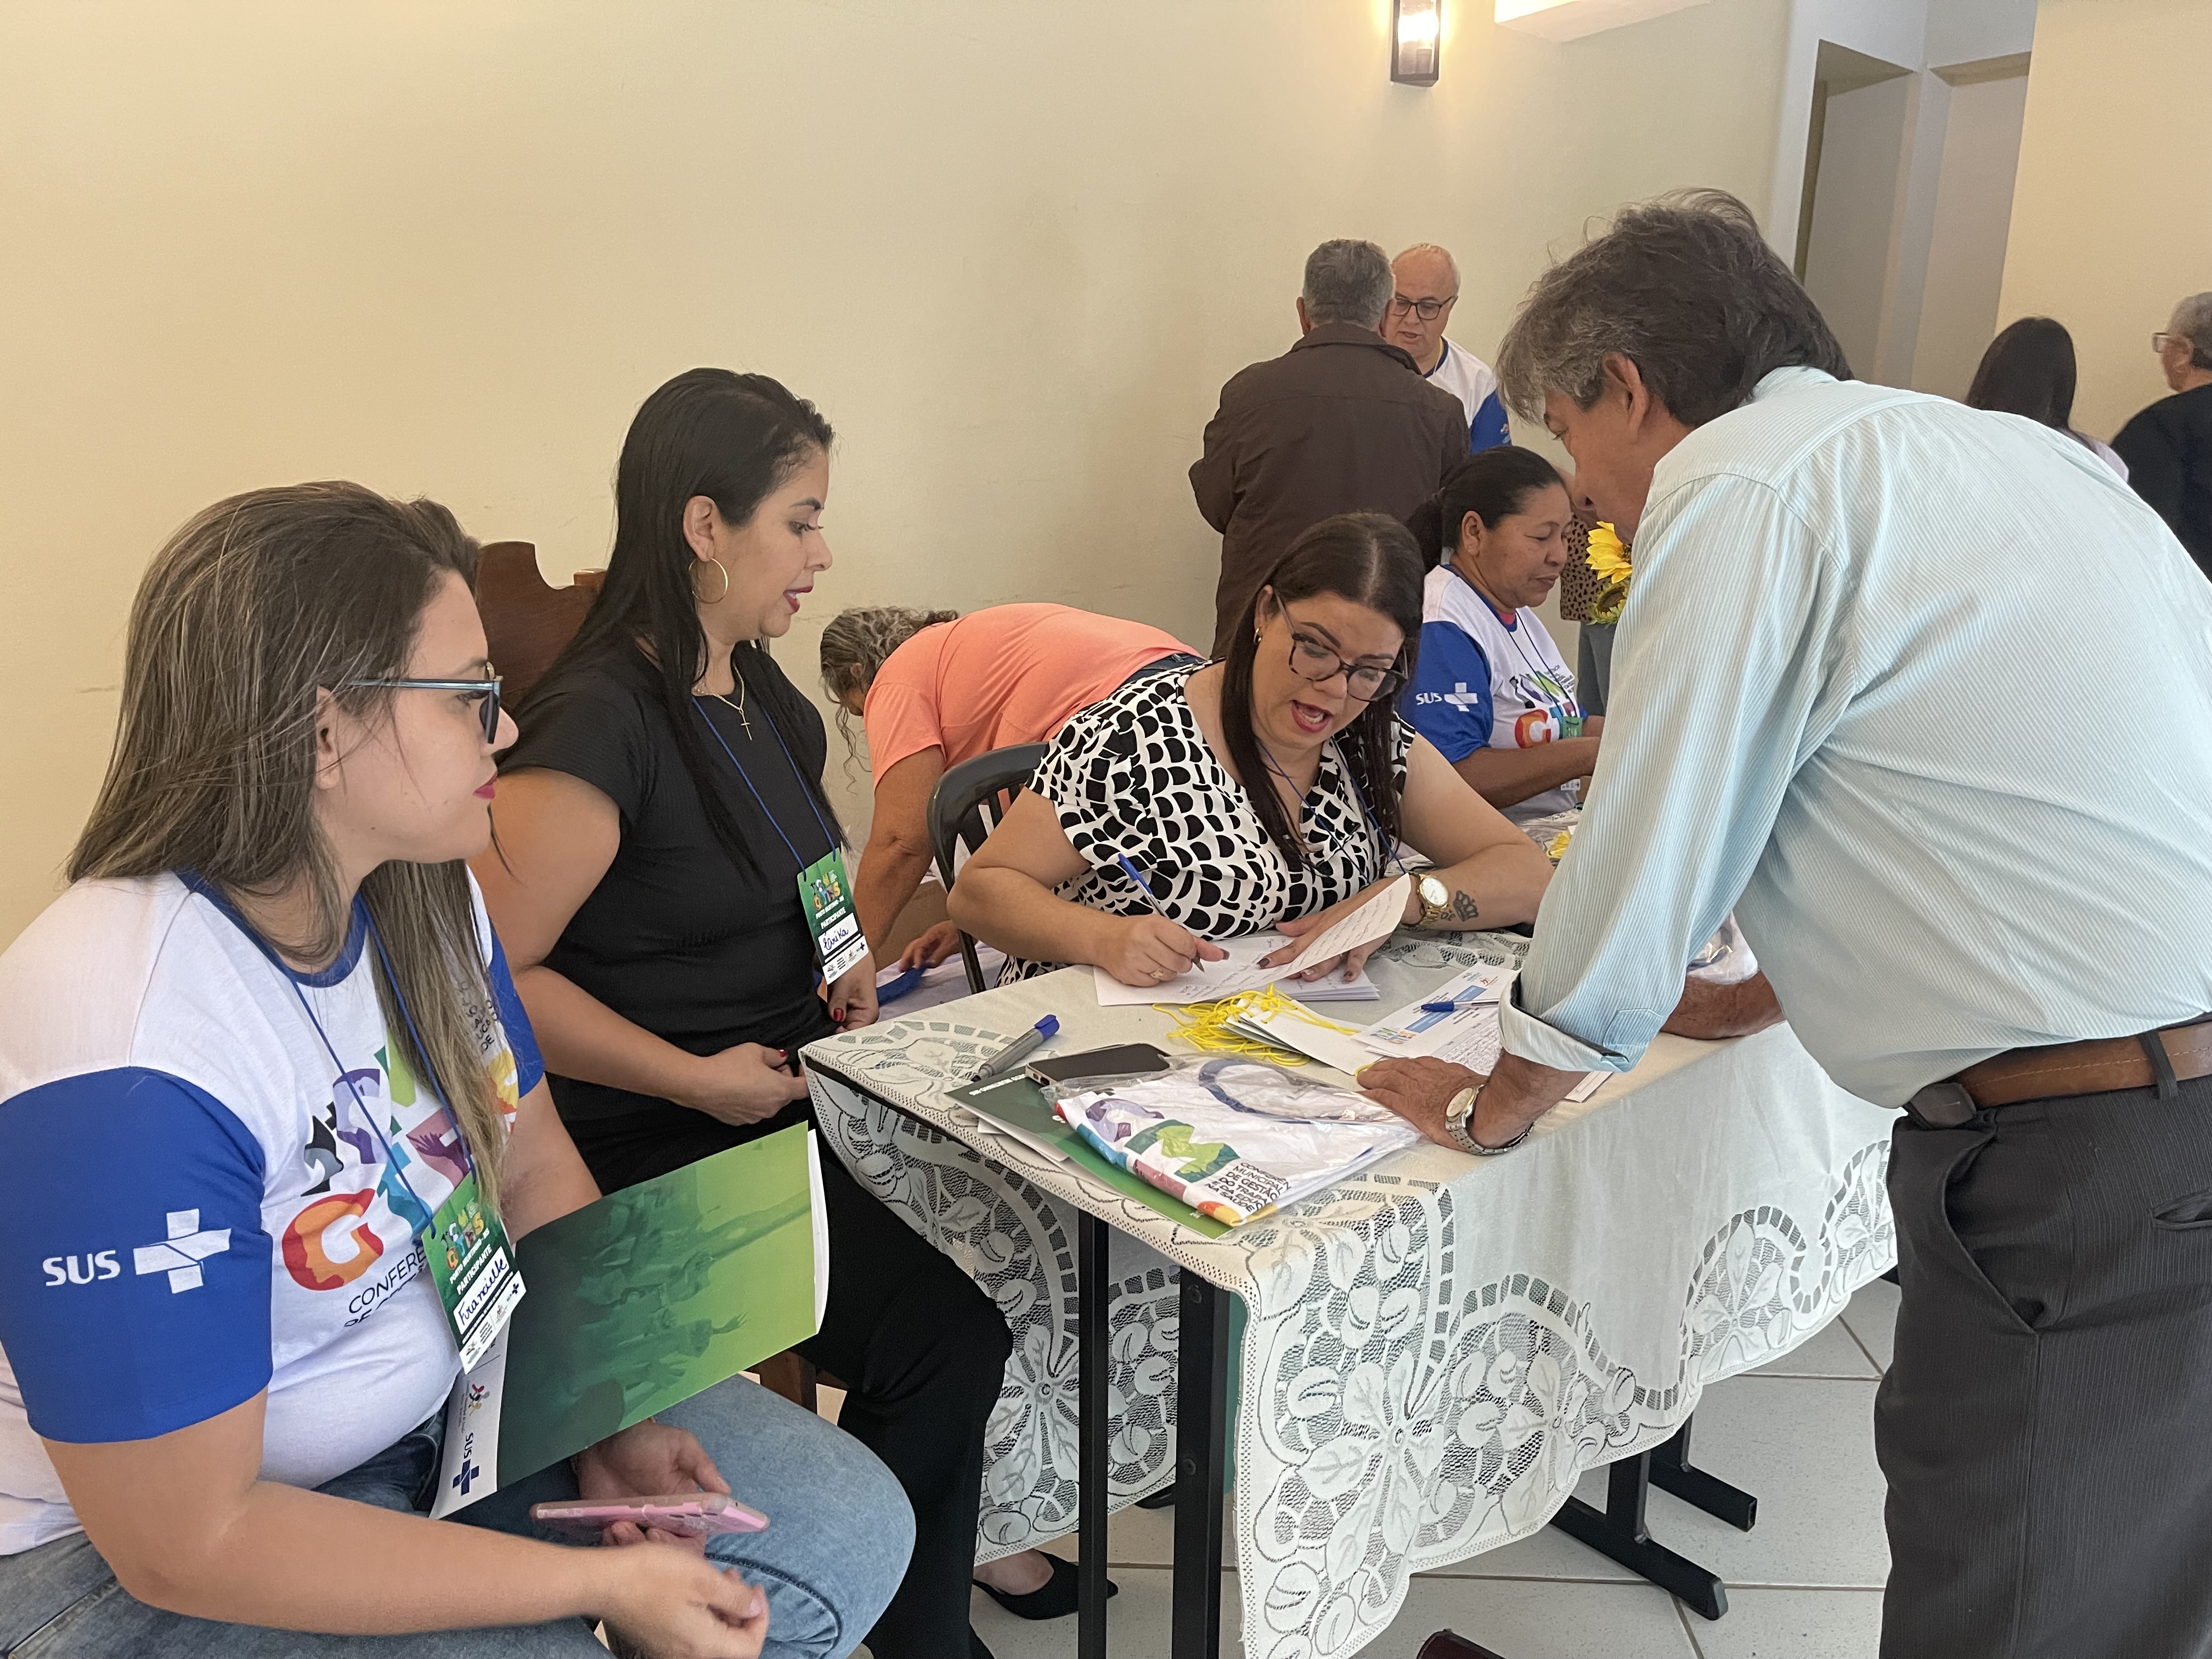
{"type": "Point", "coordinates": [1435, 1351]}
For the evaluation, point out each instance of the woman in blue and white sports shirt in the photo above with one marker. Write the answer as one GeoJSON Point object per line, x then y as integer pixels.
{"type": "Point", "coordinates": [223, 1371]}
{"type": "Point", "coordinates": [1491, 692]}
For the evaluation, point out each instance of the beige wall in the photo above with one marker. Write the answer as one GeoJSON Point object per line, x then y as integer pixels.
{"type": "Point", "coordinates": [2112, 218]}
{"type": "Point", "coordinates": [1966, 252]}
{"type": "Point", "coordinates": [1011, 249]}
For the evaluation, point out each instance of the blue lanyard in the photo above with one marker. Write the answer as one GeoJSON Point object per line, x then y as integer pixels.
{"type": "Point", "coordinates": [338, 1068]}
{"type": "Point", "coordinates": [1538, 671]}
{"type": "Point", "coordinates": [1389, 852]}
{"type": "Point", "coordinates": [747, 780]}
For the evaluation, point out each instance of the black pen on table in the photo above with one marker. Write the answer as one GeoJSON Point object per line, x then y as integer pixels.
{"type": "Point", "coordinates": [1019, 1050]}
{"type": "Point", "coordinates": [1145, 887]}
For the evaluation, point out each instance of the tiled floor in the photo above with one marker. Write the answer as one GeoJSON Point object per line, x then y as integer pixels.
{"type": "Point", "coordinates": [1802, 1584]}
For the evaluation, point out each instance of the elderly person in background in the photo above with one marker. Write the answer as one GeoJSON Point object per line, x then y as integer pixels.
{"type": "Point", "coordinates": [1426, 289]}
{"type": "Point", "coordinates": [2168, 447]}
{"type": "Point", "coordinates": [1339, 423]}
{"type": "Point", "coordinates": [1974, 899]}
{"type": "Point", "coordinates": [2029, 370]}
{"type": "Point", "coordinates": [935, 689]}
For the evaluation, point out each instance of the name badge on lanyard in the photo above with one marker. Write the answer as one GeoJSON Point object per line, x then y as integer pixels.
{"type": "Point", "coordinates": [472, 1269]}
{"type": "Point", "coordinates": [827, 899]}
{"type": "Point", "coordinates": [825, 893]}
{"type": "Point", "coordinates": [465, 1246]}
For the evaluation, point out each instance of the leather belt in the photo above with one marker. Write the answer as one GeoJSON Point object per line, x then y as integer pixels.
{"type": "Point", "coordinates": [2162, 1059]}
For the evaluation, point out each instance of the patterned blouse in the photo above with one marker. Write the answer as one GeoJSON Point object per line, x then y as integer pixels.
{"type": "Point", "coordinates": [1134, 776]}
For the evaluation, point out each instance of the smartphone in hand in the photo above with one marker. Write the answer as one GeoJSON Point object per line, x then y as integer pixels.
{"type": "Point", "coordinates": [686, 1514]}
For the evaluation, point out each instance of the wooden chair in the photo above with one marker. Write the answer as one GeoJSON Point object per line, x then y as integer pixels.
{"type": "Point", "coordinates": [526, 623]}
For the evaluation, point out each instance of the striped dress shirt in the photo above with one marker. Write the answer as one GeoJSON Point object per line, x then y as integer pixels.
{"type": "Point", "coordinates": [1924, 694]}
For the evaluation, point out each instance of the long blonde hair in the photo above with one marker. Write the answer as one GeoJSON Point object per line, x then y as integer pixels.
{"type": "Point", "coordinates": [252, 607]}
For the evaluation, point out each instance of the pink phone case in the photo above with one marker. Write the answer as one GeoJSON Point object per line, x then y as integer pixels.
{"type": "Point", "coordinates": [699, 1515]}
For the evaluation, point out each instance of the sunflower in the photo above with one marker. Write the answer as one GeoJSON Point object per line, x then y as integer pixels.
{"type": "Point", "coordinates": [1609, 562]}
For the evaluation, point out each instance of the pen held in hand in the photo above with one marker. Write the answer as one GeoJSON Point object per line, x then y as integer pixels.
{"type": "Point", "coordinates": [1145, 887]}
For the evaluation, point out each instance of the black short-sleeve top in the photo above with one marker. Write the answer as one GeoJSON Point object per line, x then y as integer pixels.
{"type": "Point", "coordinates": [676, 938]}
{"type": "Point", "coordinates": [1134, 776]}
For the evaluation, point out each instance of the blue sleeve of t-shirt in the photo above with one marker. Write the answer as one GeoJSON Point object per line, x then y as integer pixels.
{"type": "Point", "coordinates": [1490, 428]}
{"type": "Point", "coordinates": [521, 1041]}
{"type": "Point", "coordinates": [134, 1271]}
{"type": "Point", "coordinates": [1447, 700]}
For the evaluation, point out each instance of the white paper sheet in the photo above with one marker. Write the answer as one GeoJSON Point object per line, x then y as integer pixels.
{"type": "Point", "coordinates": [1240, 970]}
{"type": "Point", "coordinates": [1293, 1028]}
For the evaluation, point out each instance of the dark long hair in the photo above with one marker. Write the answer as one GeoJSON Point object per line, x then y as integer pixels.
{"type": "Point", "coordinates": [2028, 370]}
{"type": "Point", "coordinates": [1493, 485]}
{"type": "Point", "coordinates": [1369, 558]}
{"type": "Point", "coordinates": [732, 438]}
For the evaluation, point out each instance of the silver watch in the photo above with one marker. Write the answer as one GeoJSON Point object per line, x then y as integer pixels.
{"type": "Point", "coordinates": [1459, 1116]}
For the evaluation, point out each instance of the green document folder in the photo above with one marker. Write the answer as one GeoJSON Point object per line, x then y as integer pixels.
{"type": "Point", "coordinates": [637, 1302]}
{"type": "Point", "coordinates": [1018, 1101]}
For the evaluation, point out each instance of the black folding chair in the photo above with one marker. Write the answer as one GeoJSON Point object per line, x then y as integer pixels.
{"type": "Point", "coordinates": [963, 808]}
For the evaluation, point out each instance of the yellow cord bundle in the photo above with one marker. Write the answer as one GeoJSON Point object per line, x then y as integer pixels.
{"type": "Point", "coordinates": [1205, 1025]}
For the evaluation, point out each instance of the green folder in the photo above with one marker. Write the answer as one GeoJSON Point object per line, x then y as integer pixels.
{"type": "Point", "coordinates": [1018, 1101]}
{"type": "Point", "coordinates": [638, 1302]}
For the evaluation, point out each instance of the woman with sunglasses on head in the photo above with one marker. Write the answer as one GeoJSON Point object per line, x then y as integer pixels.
{"type": "Point", "coordinates": [1268, 790]}
{"type": "Point", "coordinates": [225, 1370]}
{"type": "Point", "coordinates": [665, 854]}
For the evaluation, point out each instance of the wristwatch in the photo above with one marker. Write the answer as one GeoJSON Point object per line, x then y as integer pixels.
{"type": "Point", "coordinates": [1459, 1119]}
{"type": "Point", "coordinates": [1436, 902]}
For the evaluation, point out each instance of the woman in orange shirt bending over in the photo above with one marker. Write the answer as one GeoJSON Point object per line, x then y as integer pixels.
{"type": "Point", "coordinates": [934, 688]}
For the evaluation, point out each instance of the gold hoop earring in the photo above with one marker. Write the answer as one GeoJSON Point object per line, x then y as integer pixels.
{"type": "Point", "coordinates": [717, 598]}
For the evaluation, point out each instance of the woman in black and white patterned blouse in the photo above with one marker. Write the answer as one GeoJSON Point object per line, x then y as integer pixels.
{"type": "Point", "coordinates": [1264, 791]}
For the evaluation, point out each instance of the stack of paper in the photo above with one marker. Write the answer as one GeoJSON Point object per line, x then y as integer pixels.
{"type": "Point", "coordinates": [1241, 971]}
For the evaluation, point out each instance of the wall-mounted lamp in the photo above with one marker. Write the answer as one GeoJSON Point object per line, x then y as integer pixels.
{"type": "Point", "coordinates": [1415, 27]}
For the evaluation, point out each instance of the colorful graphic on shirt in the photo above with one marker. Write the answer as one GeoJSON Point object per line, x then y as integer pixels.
{"type": "Point", "coordinates": [1537, 725]}
{"type": "Point", "coordinates": [309, 1255]}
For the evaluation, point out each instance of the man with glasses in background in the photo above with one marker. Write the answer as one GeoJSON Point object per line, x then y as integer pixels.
{"type": "Point", "coordinates": [2168, 447]}
{"type": "Point", "coordinates": [1426, 288]}
{"type": "Point", "coordinates": [1341, 423]}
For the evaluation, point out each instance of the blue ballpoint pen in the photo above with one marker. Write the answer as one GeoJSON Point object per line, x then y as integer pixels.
{"type": "Point", "coordinates": [1145, 887]}
{"type": "Point", "coordinates": [1019, 1049]}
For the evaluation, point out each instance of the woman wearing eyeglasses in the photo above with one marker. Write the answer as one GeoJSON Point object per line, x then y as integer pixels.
{"type": "Point", "coordinates": [1267, 790]}
{"type": "Point", "coordinates": [263, 1040]}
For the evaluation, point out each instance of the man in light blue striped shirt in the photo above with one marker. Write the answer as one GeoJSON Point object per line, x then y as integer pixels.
{"type": "Point", "coordinates": [1925, 694]}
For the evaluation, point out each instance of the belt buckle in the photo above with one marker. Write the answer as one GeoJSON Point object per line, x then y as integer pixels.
{"type": "Point", "coordinates": [1943, 1105]}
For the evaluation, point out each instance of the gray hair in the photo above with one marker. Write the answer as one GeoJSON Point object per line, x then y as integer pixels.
{"type": "Point", "coordinates": [859, 642]}
{"type": "Point", "coordinates": [1685, 288]}
{"type": "Point", "coordinates": [2192, 320]}
{"type": "Point", "coordinates": [1348, 282]}
{"type": "Point", "coordinates": [1442, 254]}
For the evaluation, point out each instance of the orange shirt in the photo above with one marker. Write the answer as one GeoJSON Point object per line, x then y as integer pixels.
{"type": "Point", "coordinates": [1012, 673]}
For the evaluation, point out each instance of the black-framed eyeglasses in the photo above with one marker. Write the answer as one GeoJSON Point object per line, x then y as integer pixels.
{"type": "Point", "coordinates": [1315, 663]}
{"type": "Point", "coordinates": [1426, 310]}
{"type": "Point", "coordinates": [487, 691]}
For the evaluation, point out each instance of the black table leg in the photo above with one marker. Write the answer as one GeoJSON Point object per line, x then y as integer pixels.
{"type": "Point", "coordinates": [1619, 1532]}
{"type": "Point", "coordinates": [1671, 1471]}
{"type": "Point", "coordinates": [1201, 1468]}
{"type": "Point", "coordinates": [1093, 1296]}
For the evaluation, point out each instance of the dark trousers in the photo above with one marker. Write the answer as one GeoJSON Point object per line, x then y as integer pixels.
{"type": "Point", "coordinates": [2046, 1424]}
{"type": "Point", "coordinates": [920, 1346]}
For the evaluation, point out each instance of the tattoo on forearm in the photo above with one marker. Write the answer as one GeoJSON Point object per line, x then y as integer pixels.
{"type": "Point", "coordinates": [1463, 906]}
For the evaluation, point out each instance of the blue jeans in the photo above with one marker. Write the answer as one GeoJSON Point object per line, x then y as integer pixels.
{"type": "Point", "coordinates": [834, 1553]}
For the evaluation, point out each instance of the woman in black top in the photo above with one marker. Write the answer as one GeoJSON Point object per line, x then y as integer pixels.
{"type": "Point", "coordinates": [652, 824]}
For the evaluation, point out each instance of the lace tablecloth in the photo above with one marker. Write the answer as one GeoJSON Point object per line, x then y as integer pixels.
{"type": "Point", "coordinates": [1435, 1350]}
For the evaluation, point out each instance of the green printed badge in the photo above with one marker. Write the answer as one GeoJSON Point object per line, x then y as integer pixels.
{"type": "Point", "coordinates": [826, 898]}
{"type": "Point", "coordinates": [472, 1268]}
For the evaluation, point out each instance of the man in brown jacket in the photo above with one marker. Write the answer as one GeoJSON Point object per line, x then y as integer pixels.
{"type": "Point", "coordinates": [1340, 423]}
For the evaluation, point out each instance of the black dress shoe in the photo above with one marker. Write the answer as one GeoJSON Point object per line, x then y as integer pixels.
{"type": "Point", "coordinates": [1054, 1599]}
{"type": "Point", "coordinates": [975, 1648]}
